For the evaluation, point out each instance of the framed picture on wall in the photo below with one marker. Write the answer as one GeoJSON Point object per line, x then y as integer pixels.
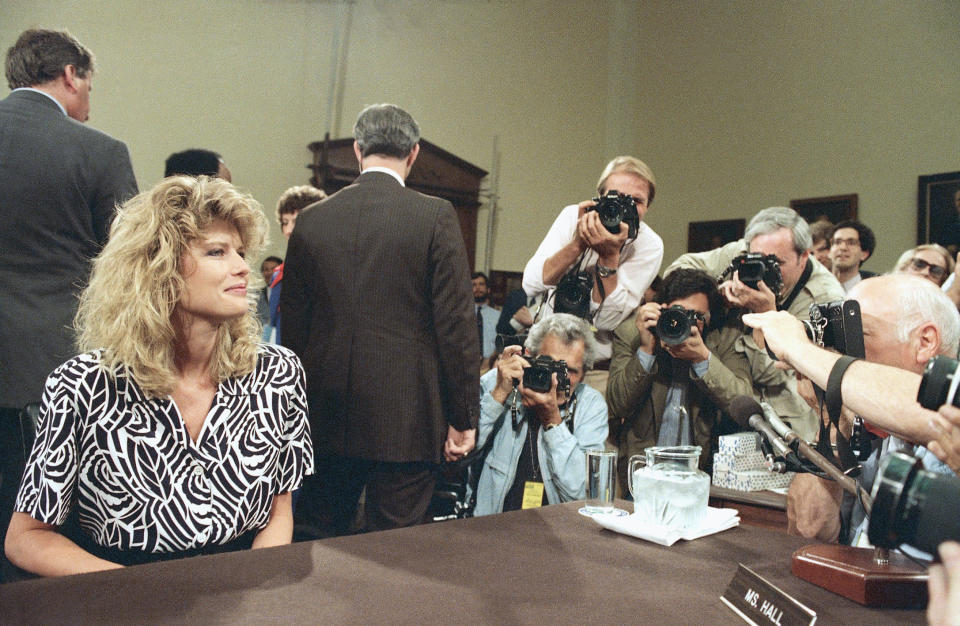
{"type": "Point", "coordinates": [501, 283]}
{"type": "Point", "coordinates": [703, 236]}
{"type": "Point", "coordinates": [834, 209]}
{"type": "Point", "coordinates": [938, 210]}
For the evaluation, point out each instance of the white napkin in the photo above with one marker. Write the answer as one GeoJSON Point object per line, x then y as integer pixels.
{"type": "Point", "coordinates": [636, 526]}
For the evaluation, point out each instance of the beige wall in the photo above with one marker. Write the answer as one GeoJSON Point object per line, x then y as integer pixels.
{"type": "Point", "coordinates": [736, 105]}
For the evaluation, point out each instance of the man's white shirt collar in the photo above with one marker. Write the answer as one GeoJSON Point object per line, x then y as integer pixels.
{"type": "Point", "coordinates": [385, 170]}
{"type": "Point", "coordinates": [43, 93]}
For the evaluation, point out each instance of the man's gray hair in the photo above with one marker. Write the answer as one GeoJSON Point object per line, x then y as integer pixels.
{"type": "Point", "coordinates": [568, 329]}
{"type": "Point", "coordinates": [386, 129]}
{"type": "Point", "coordinates": [775, 218]}
{"type": "Point", "coordinates": [917, 301]}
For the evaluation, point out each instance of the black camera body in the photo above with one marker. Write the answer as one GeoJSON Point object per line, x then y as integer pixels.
{"type": "Point", "coordinates": [837, 325]}
{"type": "Point", "coordinates": [752, 267]}
{"type": "Point", "coordinates": [502, 341]}
{"type": "Point", "coordinates": [539, 376]}
{"type": "Point", "coordinates": [573, 294]}
{"type": "Point", "coordinates": [615, 207]}
{"type": "Point", "coordinates": [675, 323]}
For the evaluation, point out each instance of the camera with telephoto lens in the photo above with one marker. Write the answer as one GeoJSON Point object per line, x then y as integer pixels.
{"type": "Point", "coordinates": [539, 376]}
{"type": "Point", "coordinates": [753, 267]}
{"type": "Point", "coordinates": [615, 207]}
{"type": "Point", "coordinates": [913, 505]}
{"type": "Point", "coordinates": [573, 294]}
{"type": "Point", "coordinates": [939, 383]}
{"type": "Point", "coordinates": [836, 325]}
{"type": "Point", "coordinates": [675, 323]}
{"type": "Point", "coordinates": [502, 341]}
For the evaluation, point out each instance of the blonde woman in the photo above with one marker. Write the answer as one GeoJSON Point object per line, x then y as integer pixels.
{"type": "Point", "coordinates": [174, 433]}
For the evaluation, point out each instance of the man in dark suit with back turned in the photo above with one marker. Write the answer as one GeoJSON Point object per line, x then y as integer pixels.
{"type": "Point", "coordinates": [60, 182]}
{"type": "Point", "coordinates": [377, 304]}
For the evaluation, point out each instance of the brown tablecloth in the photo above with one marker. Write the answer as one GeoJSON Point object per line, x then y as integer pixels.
{"type": "Point", "coordinates": [538, 566]}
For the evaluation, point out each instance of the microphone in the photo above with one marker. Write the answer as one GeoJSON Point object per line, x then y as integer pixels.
{"type": "Point", "coordinates": [748, 413]}
{"type": "Point", "coordinates": [810, 454]}
{"type": "Point", "coordinates": [782, 428]}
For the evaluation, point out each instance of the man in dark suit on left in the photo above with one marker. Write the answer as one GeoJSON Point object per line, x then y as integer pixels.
{"type": "Point", "coordinates": [60, 182]}
{"type": "Point", "coordinates": [376, 303]}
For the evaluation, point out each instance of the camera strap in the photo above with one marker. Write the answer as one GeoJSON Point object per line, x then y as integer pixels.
{"type": "Point", "coordinates": [834, 402]}
{"type": "Point", "coordinates": [472, 463]}
{"type": "Point", "coordinates": [599, 282]}
{"type": "Point", "coordinates": [804, 277]}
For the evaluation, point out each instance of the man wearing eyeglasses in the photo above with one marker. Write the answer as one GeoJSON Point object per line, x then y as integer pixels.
{"type": "Point", "coordinates": [781, 233]}
{"type": "Point", "coordinates": [851, 245]}
{"type": "Point", "coordinates": [667, 391]}
{"type": "Point", "coordinates": [929, 260]}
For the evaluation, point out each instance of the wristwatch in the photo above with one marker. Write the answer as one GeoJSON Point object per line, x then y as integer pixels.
{"type": "Point", "coordinates": [605, 272]}
{"type": "Point", "coordinates": [550, 426]}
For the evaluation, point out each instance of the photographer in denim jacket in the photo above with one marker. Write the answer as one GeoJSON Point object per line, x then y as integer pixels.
{"type": "Point", "coordinates": [540, 438]}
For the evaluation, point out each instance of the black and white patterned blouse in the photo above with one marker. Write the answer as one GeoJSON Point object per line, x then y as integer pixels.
{"type": "Point", "coordinates": [138, 481]}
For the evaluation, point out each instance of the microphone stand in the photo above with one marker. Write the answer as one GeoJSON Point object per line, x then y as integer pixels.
{"type": "Point", "coordinates": [869, 576]}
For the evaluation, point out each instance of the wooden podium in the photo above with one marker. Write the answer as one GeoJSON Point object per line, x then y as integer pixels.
{"type": "Point", "coordinates": [857, 574]}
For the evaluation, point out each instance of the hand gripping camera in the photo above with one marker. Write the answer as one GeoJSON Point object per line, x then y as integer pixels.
{"type": "Point", "coordinates": [539, 376]}
{"type": "Point", "coordinates": [675, 324]}
{"type": "Point", "coordinates": [754, 267]}
{"type": "Point", "coordinates": [615, 207]}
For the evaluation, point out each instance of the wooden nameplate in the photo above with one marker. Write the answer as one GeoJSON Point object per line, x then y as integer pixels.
{"type": "Point", "coordinates": [853, 573]}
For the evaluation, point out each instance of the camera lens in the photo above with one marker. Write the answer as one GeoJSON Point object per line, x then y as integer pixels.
{"type": "Point", "coordinates": [612, 208]}
{"type": "Point", "coordinates": [939, 383]}
{"type": "Point", "coordinates": [503, 341]}
{"type": "Point", "coordinates": [913, 505]}
{"type": "Point", "coordinates": [751, 273]}
{"type": "Point", "coordinates": [673, 327]}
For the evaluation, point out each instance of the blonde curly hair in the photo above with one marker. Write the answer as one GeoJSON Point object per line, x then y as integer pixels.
{"type": "Point", "coordinates": [127, 309]}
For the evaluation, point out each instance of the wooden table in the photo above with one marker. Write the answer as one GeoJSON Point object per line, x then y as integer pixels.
{"type": "Point", "coordinates": [548, 565]}
{"type": "Point", "coordinates": [765, 509]}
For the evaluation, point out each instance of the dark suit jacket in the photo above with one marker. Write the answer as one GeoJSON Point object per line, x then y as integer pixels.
{"type": "Point", "coordinates": [377, 304]}
{"type": "Point", "coordinates": [59, 184]}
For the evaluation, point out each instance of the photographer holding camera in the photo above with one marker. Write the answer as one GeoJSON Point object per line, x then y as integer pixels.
{"type": "Point", "coordinates": [537, 454]}
{"type": "Point", "coordinates": [775, 247]}
{"type": "Point", "coordinates": [595, 265]}
{"type": "Point", "coordinates": [677, 364]}
{"type": "Point", "coordinates": [781, 233]}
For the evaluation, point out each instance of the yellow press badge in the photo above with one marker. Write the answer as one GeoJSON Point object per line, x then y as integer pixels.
{"type": "Point", "coordinates": [532, 495]}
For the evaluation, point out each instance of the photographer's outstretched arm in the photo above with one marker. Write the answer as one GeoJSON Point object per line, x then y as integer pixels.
{"type": "Point", "coordinates": [713, 262]}
{"type": "Point", "coordinates": [557, 252]}
{"type": "Point", "coordinates": [608, 247]}
{"type": "Point", "coordinates": [629, 382]}
{"type": "Point", "coordinates": [884, 396]}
